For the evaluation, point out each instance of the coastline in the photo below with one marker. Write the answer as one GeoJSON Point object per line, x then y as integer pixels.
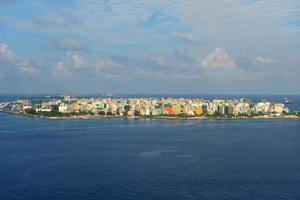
{"type": "Point", "coordinates": [88, 117]}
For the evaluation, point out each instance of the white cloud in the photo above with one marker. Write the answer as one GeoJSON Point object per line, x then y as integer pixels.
{"type": "Point", "coordinates": [27, 67]}
{"type": "Point", "coordinates": [264, 60]}
{"type": "Point", "coordinates": [157, 60]}
{"type": "Point", "coordinates": [186, 37]}
{"type": "Point", "coordinates": [10, 58]}
{"type": "Point", "coordinates": [75, 63]}
{"type": "Point", "coordinates": [184, 56]}
{"type": "Point", "coordinates": [6, 55]}
{"type": "Point", "coordinates": [218, 59]}
{"type": "Point", "coordinates": [60, 68]}
{"type": "Point", "coordinates": [68, 44]}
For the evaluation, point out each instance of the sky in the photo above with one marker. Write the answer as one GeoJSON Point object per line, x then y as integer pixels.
{"type": "Point", "coordinates": [150, 46]}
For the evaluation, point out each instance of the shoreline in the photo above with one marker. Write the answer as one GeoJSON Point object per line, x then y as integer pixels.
{"type": "Point", "coordinates": [89, 117]}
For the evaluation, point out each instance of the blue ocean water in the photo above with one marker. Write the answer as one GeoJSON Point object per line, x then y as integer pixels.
{"type": "Point", "coordinates": [148, 159]}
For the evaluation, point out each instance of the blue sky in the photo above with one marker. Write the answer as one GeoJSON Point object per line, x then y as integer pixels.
{"type": "Point", "coordinates": [150, 46]}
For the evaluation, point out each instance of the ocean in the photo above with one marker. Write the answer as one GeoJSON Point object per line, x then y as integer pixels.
{"type": "Point", "coordinates": [148, 159]}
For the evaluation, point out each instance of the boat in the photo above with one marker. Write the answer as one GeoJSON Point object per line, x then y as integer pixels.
{"type": "Point", "coordinates": [288, 101]}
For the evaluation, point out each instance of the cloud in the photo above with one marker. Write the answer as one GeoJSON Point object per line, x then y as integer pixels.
{"type": "Point", "coordinates": [218, 59]}
{"type": "Point", "coordinates": [132, 28]}
{"type": "Point", "coordinates": [183, 56]}
{"type": "Point", "coordinates": [77, 61]}
{"type": "Point", "coordinates": [186, 37]}
{"type": "Point", "coordinates": [28, 70]}
{"type": "Point", "coordinates": [74, 64]}
{"type": "Point", "coordinates": [61, 69]}
{"type": "Point", "coordinates": [6, 55]}
{"type": "Point", "coordinates": [10, 58]}
{"type": "Point", "coordinates": [264, 60]}
{"type": "Point", "coordinates": [157, 60]}
{"type": "Point", "coordinates": [258, 64]}
{"type": "Point", "coordinates": [68, 44]}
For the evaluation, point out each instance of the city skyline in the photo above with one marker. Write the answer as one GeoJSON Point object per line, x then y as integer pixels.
{"type": "Point", "coordinates": [155, 47]}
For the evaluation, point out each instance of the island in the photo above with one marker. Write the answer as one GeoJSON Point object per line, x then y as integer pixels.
{"type": "Point", "coordinates": [68, 107]}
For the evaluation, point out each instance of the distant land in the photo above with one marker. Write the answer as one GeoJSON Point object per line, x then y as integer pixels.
{"type": "Point", "coordinates": [109, 106]}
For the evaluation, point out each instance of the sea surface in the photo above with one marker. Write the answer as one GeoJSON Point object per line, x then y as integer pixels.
{"type": "Point", "coordinates": [148, 159]}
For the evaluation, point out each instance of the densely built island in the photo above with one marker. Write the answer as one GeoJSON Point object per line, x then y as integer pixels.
{"type": "Point", "coordinates": [170, 108]}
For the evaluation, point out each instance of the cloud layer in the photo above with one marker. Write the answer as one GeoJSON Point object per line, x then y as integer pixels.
{"type": "Point", "coordinates": [157, 45]}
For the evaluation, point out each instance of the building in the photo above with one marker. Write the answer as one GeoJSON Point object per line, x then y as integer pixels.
{"type": "Point", "coordinates": [62, 108]}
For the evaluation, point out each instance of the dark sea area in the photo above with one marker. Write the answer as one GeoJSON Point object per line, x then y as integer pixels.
{"type": "Point", "coordinates": [149, 159]}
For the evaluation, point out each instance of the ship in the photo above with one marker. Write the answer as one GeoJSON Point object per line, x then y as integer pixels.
{"type": "Point", "coordinates": [288, 101]}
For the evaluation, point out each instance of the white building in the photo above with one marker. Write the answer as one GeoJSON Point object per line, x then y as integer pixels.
{"type": "Point", "coordinates": [62, 108]}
